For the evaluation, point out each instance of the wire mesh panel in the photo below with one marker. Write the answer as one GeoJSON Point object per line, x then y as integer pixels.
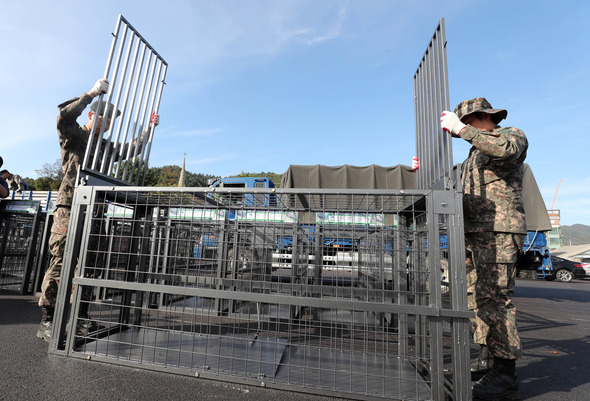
{"type": "Point", "coordinates": [321, 291]}
{"type": "Point", "coordinates": [431, 98]}
{"type": "Point", "coordinates": [21, 225]}
{"type": "Point", "coordinates": [136, 74]}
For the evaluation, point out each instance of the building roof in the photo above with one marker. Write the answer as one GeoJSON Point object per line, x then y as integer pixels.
{"type": "Point", "coordinates": [569, 251]}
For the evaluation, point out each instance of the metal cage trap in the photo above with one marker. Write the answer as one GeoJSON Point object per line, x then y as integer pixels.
{"type": "Point", "coordinates": [326, 291]}
{"type": "Point", "coordinates": [346, 292]}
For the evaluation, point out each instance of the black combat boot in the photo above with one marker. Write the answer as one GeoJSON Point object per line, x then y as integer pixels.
{"type": "Point", "coordinates": [46, 324]}
{"type": "Point", "coordinates": [499, 384]}
{"type": "Point", "coordinates": [483, 363]}
{"type": "Point", "coordinates": [84, 325]}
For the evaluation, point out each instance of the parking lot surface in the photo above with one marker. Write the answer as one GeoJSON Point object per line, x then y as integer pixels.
{"type": "Point", "coordinates": [552, 318]}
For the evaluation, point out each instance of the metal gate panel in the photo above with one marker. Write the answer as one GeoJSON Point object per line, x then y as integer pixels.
{"type": "Point", "coordinates": [322, 291]}
{"type": "Point", "coordinates": [21, 226]}
{"type": "Point", "coordinates": [136, 74]}
{"type": "Point", "coordinates": [431, 98]}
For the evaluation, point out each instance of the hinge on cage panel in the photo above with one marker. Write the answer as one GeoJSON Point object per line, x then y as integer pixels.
{"type": "Point", "coordinates": [444, 202]}
{"type": "Point", "coordinates": [82, 195]}
{"type": "Point", "coordinates": [450, 184]}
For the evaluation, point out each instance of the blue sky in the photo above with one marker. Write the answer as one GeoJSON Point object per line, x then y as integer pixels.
{"type": "Point", "coordinates": [259, 85]}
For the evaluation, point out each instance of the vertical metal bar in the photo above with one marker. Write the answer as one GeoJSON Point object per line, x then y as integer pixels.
{"type": "Point", "coordinates": [113, 82]}
{"type": "Point", "coordinates": [431, 98]}
{"type": "Point", "coordinates": [102, 147]}
{"type": "Point", "coordinates": [139, 149]}
{"type": "Point", "coordinates": [28, 266]}
{"type": "Point", "coordinates": [139, 119]}
{"type": "Point", "coordinates": [155, 109]}
{"type": "Point", "coordinates": [125, 81]}
{"type": "Point", "coordinates": [431, 140]}
{"type": "Point", "coordinates": [76, 241]}
{"type": "Point", "coordinates": [130, 82]}
{"type": "Point", "coordinates": [121, 156]}
{"type": "Point", "coordinates": [93, 135]}
{"type": "Point", "coordinates": [443, 70]}
{"type": "Point", "coordinates": [436, 330]}
{"type": "Point", "coordinates": [460, 331]}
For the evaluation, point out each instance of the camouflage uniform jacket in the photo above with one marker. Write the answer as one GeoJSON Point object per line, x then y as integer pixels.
{"type": "Point", "coordinates": [4, 184]}
{"type": "Point", "coordinates": [72, 140]}
{"type": "Point", "coordinates": [492, 180]}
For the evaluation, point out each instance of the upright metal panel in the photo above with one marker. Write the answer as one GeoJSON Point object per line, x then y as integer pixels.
{"type": "Point", "coordinates": [21, 226]}
{"type": "Point", "coordinates": [434, 149]}
{"type": "Point", "coordinates": [431, 98]}
{"type": "Point", "coordinates": [136, 73]}
{"type": "Point", "coordinates": [322, 291]}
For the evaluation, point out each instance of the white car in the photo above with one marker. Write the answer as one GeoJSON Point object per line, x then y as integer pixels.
{"type": "Point", "coordinates": [585, 261]}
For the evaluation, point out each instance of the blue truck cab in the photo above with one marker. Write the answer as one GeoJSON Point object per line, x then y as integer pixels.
{"type": "Point", "coordinates": [535, 254]}
{"type": "Point", "coordinates": [210, 241]}
{"type": "Point", "coordinates": [249, 199]}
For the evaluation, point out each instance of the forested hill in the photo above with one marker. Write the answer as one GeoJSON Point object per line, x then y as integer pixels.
{"type": "Point", "coordinates": [578, 234]}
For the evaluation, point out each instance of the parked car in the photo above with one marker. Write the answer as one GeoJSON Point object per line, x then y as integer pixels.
{"type": "Point", "coordinates": [585, 261]}
{"type": "Point", "coordinates": [565, 270]}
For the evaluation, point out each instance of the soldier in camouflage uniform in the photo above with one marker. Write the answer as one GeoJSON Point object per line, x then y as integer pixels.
{"type": "Point", "coordinates": [495, 229]}
{"type": "Point", "coordinates": [3, 185]}
{"type": "Point", "coordinates": [73, 140]}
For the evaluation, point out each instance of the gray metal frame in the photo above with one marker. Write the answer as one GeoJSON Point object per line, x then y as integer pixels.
{"type": "Point", "coordinates": [435, 152]}
{"type": "Point", "coordinates": [431, 98]}
{"type": "Point", "coordinates": [136, 74]}
{"type": "Point", "coordinates": [380, 328]}
{"type": "Point", "coordinates": [21, 226]}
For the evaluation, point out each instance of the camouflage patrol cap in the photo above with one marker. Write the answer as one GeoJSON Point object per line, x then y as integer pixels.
{"type": "Point", "coordinates": [479, 105]}
{"type": "Point", "coordinates": [94, 106]}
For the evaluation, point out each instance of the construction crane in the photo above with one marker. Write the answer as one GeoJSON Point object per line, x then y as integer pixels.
{"type": "Point", "coordinates": [555, 197]}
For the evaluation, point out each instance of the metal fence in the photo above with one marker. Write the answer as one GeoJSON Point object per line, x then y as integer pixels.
{"type": "Point", "coordinates": [322, 291]}
{"type": "Point", "coordinates": [431, 98]}
{"type": "Point", "coordinates": [46, 198]}
{"type": "Point", "coordinates": [21, 225]}
{"type": "Point", "coordinates": [136, 73]}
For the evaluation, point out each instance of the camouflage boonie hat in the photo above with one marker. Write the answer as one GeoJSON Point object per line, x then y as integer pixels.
{"type": "Point", "coordinates": [479, 105]}
{"type": "Point", "coordinates": [94, 106]}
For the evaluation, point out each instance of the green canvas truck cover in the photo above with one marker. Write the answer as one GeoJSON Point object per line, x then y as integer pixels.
{"type": "Point", "coordinates": [400, 177]}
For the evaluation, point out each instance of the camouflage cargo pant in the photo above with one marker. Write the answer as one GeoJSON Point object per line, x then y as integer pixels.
{"type": "Point", "coordinates": [57, 243]}
{"type": "Point", "coordinates": [491, 271]}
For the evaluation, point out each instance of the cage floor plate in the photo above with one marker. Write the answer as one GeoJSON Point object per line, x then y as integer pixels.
{"type": "Point", "coordinates": [249, 356]}
{"type": "Point", "coordinates": [266, 358]}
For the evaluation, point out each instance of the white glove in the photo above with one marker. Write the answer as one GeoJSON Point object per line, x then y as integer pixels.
{"type": "Point", "coordinates": [450, 122]}
{"type": "Point", "coordinates": [155, 119]}
{"type": "Point", "coordinates": [101, 86]}
{"type": "Point", "coordinates": [415, 163]}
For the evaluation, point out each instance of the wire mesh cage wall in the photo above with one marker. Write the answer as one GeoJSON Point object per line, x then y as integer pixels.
{"type": "Point", "coordinates": [320, 291]}
{"type": "Point", "coordinates": [21, 226]}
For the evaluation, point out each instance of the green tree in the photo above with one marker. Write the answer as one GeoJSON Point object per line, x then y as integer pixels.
{"type": "Point", "coordinates": [168, 176]}
{"type": "Point", "coordinates": [30, 182]}
{"type": "Point", "coordinates": [45, 184]}
{"type": "Point", "coordinates": [196, 180]}
{"type": "Point", "coordinates": [50, 176]}
{"type": "Point", "coordinates": [51, 170]}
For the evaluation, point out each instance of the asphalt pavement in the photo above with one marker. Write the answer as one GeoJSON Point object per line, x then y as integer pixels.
{"type": "Point", "coordinates": [552, 318]}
